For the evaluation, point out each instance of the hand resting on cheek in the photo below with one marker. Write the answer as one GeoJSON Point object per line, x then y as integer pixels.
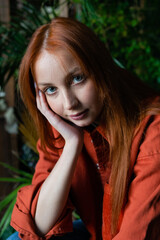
{"type": "Point", "coordinates": [68, 131]}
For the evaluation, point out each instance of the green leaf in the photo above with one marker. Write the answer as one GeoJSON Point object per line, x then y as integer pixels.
{"type": "Point", "coordinates": [23, 173]}
{"type": "Point", "coordinates": [75, 215]}
{"type": "Point", "coordinates": [10, 200]}
{"type": "Point", "coordinates": [10, 197]}
{"type": "Point", "coordinates": [5, 221]}
{"type": "Point", "coordinates": [15, 179]}
{"type": "Point", "coordinates": [134, 22]}
{"type": "Point", "coordinates": [118, 63]}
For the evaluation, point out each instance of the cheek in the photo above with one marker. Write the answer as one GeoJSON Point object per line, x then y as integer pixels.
{"type": "Point", "coordinates": [90, 95]}
{"type": "Point", "coordinates": [92, 99]}
{"type": "Point", "coordinates": [54, 105]}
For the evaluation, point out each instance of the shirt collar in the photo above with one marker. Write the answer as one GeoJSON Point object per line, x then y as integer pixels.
{"type": "Point", "coordinates": [95, 127]}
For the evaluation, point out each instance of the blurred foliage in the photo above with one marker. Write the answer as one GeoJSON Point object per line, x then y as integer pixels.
{"type": "Point", "coordinates": [21, 179]}
{"type": "Point", "coordinates": [131, 31]}
{"type": "Point", "coordinates": [16, 35]}
{"type": "Point", "coordinates": [28, 159]}
{"type": "Point", "coordinates": [28, 131]}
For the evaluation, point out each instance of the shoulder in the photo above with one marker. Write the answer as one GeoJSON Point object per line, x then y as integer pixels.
{"type": "Point", "coordinates": [150, 137]}
{"type": "Point", "coordinates": [146, 141]}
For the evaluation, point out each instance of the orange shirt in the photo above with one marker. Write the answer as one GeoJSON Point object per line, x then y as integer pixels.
{"type": "Point", "coordinates": [90, 189]}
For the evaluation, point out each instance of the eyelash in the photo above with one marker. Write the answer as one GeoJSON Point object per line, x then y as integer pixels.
{"type": "Point", "coordinates": [45, 91]}
{"type": "Point", "coordinates": [82, 76]}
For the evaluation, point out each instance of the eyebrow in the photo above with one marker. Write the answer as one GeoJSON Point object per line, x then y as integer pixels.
{"type": "Point", "coordinates": [66, 77]}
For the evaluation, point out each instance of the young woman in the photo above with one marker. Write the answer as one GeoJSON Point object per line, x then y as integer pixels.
{"type": "Point", "coordinates": [99, 141]}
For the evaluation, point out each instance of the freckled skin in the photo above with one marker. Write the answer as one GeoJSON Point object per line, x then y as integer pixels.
{"type": "Point", "coordinates": [70, 97]}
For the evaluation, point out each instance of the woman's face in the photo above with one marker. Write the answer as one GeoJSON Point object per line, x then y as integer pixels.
{"type": "Point", "coordinates": [69, 93]}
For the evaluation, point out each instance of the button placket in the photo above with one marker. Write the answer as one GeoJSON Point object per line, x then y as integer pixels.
{"type": "Point", "coordinates": [95, 147]}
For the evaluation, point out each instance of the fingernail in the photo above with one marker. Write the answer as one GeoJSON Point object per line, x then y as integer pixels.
{"type": "Point", "coordinates": [39, 92]}
{"type": "Point", "coordinates": [35, 85]}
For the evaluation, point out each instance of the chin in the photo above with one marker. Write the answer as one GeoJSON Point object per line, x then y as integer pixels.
{"type": "Point", "coordinates": [83, 124]}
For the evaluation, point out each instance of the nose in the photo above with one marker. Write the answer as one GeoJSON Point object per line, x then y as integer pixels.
{"type": "Point", "coordinates": [70, 100]}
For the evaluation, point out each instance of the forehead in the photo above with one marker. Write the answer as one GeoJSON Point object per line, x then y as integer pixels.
{"type": "Point", "coordinates": [59, 59]}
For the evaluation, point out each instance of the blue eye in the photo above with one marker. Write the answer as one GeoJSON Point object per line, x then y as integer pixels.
{"type": "Point", "coordinates": [78, 78]}
{"type": "Point", "coordinates": [50, 90]}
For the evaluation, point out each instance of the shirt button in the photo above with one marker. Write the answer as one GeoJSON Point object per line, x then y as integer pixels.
{"type": "Point", "coordinates": [98, 167]}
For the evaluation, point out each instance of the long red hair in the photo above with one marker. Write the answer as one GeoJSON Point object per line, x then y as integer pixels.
{"type": "Point", "coordinates": [125, 97]}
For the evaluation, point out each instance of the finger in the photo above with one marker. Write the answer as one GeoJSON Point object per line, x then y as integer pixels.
{"type": "Point", "coordinates": [44, 107]}
{"type": "Point", "coordinates": [43, 100]}
{"type": "Point", "coordinates": [36, 88]}
{"type": "Point", "coordinates": [52, 117]}
{"type": "Point", "coordinates": [37, 96]}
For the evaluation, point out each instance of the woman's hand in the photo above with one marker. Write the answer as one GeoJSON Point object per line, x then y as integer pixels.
{"type": "Point", "coordinates": [68, 131]}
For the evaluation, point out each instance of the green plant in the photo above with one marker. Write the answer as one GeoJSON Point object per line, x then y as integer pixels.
{"type": "Point", "coordinates": [126, 29]}
{"type": "Point", "coordinates": [21, 179]}
{"type": "Point", "coordinates": [16, 35]}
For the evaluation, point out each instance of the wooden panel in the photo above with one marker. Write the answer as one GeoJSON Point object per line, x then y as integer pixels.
{"type": "Point", "coordinates": [4, 10]}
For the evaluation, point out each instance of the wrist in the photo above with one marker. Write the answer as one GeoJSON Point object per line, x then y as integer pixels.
{"type": "Point", "coordinates": [75, 143]}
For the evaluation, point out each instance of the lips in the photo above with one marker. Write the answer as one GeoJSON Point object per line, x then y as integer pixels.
{"type": "Point", "coordinates": [79, 116]}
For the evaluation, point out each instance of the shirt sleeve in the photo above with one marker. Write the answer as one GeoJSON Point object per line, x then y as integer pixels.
{"type": "Point", "coordinates": [141, 217]}
{"type": "Point", "coordinates": [24, 210]}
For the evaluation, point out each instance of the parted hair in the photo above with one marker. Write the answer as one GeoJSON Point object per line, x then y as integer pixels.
{"type": "Point", "coordinates": [126, 99]}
